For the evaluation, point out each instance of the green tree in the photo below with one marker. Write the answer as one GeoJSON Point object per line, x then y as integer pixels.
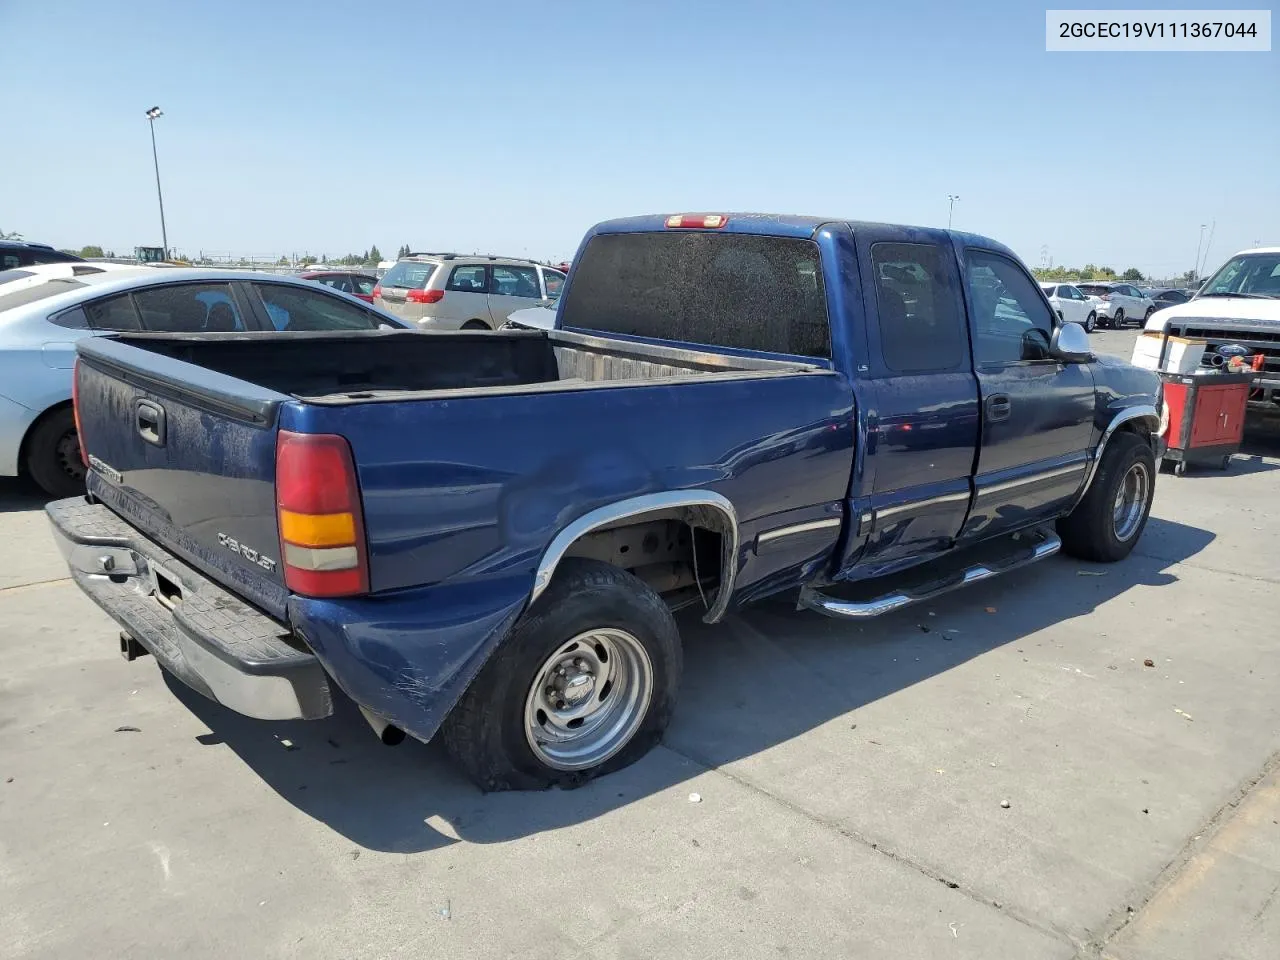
{"type": "Point", "coordinates": [282, 262]}
{"type": "Point", "coordinates": [93, 250]}
{"type": "Point", "coordinates": [373, 256]}
{"type": "Point", "coordinates": [14, 235]}
{"type": "Point", "coordinates": [1133, 275]}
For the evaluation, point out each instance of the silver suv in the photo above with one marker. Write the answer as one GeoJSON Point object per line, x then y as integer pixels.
{"type": "Point", "coordinates": [449, 291]}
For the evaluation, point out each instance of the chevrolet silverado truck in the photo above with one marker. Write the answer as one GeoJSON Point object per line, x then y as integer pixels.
{"type": "Point", "coordinates": [484, 535]}
{"type": "Point", "coordinates": [1238, 305]}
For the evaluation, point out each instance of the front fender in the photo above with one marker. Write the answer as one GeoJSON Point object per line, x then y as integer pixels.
{"type": "Point", "coordinates": [409, 656]}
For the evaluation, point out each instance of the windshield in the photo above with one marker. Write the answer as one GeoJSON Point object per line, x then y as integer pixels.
{"type": "Point", "coordinates": [1251, 275]}
{"type": "Point", "coordinates": [409, 274]}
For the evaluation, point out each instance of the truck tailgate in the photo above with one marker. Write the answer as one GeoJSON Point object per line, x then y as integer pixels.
{"type": "Point", "coordinates": [187, 456]}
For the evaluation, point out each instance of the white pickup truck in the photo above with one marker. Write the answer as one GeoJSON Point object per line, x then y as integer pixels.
{"type": "Point", "coordinates": [1240, 304]}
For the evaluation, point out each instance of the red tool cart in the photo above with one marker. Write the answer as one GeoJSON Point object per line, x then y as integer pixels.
{"type": "Point", "coordinates": [1206, 417]}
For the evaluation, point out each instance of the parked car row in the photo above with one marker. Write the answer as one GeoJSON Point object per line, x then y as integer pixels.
{"type": "Point", "coordinates": [449, 291]}
{"type": "Point", "coordinates": [45, 309]}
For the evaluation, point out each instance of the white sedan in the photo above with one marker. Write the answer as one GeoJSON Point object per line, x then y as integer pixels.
{"type": "Point", "coordinates": [1071, 305]}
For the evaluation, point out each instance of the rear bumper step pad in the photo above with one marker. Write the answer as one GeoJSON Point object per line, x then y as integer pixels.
{"type": "Point", "coordinates": [200, 632]}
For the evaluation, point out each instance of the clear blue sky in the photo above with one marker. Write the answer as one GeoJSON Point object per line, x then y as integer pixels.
{"type": "Point", "coordinates": [513, 127]}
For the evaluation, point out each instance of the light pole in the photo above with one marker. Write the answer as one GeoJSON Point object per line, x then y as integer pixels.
{"type": "Point", "coordinates": [152, 115]}
{"type": "Point", "coordinates": [951, 198]}
{"type": "Point", "coordinates": [1195, 272]}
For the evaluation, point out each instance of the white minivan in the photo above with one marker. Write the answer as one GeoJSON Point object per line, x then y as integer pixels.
{"type": "Point", "coordinates": [447, 291]}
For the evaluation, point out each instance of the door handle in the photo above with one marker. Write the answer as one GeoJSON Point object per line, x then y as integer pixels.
{"type": "Point", "coordinates": [998, 406]}
{"type": "Point", "coordinates": [151, 422]}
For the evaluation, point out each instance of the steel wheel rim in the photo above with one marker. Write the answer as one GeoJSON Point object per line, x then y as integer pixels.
{"type": "Point", "coordinates": [588, 699]}
{"type": "Point", "coordinates": [1130, 502]}
{"type": "Point", "coordinates": [67, 453]}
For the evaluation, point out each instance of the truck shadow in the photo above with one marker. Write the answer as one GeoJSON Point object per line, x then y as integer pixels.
{"type": "Point", "coordinates": [763, 677]}
{"type": "Point", "coordinates": [19, 495]}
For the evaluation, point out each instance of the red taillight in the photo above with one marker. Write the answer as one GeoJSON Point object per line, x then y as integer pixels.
{"type": "Point", "coordinates": [321, 521]}
{"type": "Point", "coordinates": [377, 291]}
{"type": "Point", "coordinates": [424, 296]}
{"type": "Point", "coordinates": [700, 220]}
{"type": "Point", "coordinates": [75, 411]}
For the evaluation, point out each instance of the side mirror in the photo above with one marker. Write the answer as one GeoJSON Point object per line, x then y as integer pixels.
{"type": "Point", "coordinates": [1070, 344]}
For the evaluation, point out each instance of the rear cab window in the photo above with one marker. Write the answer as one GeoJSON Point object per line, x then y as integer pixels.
{"type": "Point", "coordinates": [917, 308]}
{"type": "Point", "coordinates": [740, 291]}
{"type": "Point", "coordinates": [409, 275]}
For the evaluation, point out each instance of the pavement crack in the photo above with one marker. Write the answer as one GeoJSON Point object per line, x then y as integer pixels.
{"type": "Point", "coordinates": [1207, 568]}
{"type": "Point", "coordinates": [34, 583]}
{"type": "Point", "coordinates": [991, 902]}
{"type": "Point", "coordinates": [1140, 897]}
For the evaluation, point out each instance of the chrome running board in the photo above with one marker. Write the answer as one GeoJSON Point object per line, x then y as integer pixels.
{"type": "Point", "coordinates": [1046, 544]}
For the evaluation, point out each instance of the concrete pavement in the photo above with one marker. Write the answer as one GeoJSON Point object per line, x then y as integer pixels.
{"type": "Point", "coordinates": [851, 781]}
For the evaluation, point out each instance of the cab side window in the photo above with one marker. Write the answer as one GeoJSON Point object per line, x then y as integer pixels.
{"type": "Point", "coordinates": [1011, 321]}
{"type": "Point", "coordinates": [921, 328]}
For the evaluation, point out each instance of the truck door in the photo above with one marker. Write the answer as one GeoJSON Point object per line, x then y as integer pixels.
{"type": "Point", "coordinates": [1037, 413]}
{"type": "Point", "coordinates": [922, 428]}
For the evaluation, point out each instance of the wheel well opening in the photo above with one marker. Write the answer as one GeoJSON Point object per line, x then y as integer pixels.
{"type": "Point", "coordinates": [678, 553]}
{"type": "Point", "coordinates": [24, 448]}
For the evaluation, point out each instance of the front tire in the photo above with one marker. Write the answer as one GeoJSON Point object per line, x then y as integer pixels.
{"type": "Point", "coordinates": [1091, 322]}
{"type": "Point", "coordinates": [1108, 522]}
{"type": "Point", "coordinates": [584, 685]}
{"type": "Point", "coordinates": [1148, 316]}
{"type": "Point", "coordinates": [53, 455]}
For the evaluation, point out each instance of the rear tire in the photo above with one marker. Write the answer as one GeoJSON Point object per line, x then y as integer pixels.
{"type": "Point", "coordinates": [1118, 320]}
{"type": "Point", "coordinates": [1110, 519]}
{"type": "Point", "coordinates": [1090, 322]}
{"type": "Point", "coordinates": [475, 325]}
{"type": "Point", "coordinates": [53, 455]}
{"type": "Point", "coordinates": [506, 736]}
{"type": "Point", "coordinates": [1148, 316]}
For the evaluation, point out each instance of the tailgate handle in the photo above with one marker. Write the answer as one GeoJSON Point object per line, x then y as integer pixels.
{"type": "Point", "coordinates": [151, 422]}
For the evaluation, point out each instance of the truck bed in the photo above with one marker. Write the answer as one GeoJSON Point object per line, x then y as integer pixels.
{"type": "Point", "coordinates": [396, 365]}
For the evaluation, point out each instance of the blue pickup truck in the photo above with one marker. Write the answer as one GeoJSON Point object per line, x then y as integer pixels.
{"type": "Point", "coordinates": [485, 535]}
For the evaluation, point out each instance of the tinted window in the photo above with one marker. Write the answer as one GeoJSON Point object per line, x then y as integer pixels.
{"type": "Point", "coordinates": [364, 285]}
{"type": "Point", "coordinates": [554, 280]}
{"type": "Point", "coordinates": [9, 260]}
{"type": "Point", "coordinates": [1011, 322]}
{"type": "Point", "coordinates": [1094, 289]}
{"type": "Point", "coordinates": [516, 282]}
{"type": "Point", "coordinates": [338, 283]}
{"type": "Point", "coordinates": [73, 319]}
{"type": "Point", "coordinates": [1049, 291]}
{"type": "Point", "coordinates": [48, 256]}
{"type": "Point", "coordinates": [291, 308]}
{"type": "Point", "coordinates": [116, 313]}
{"type": "Point", "coordinates": [409, 274]}
{"type": "Point", "coordinates": [920, 324]}
{"type": "Point", "coordinates": [189, 308]}
{"type": "Point", "coordinates": [7, 275]}
{"type": "Point", "coordinates": [467, 279]}
{"type": "Point", "coordinates": [724, 289]}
